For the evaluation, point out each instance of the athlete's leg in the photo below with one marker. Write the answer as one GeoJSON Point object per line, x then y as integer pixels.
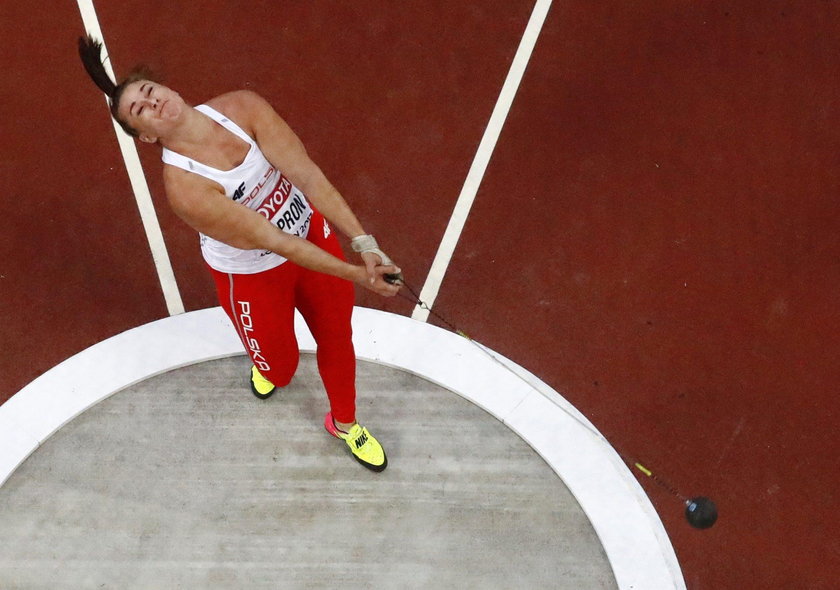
{"type": "Point", "coordinates": [261, 308]}
{"type": "Point", "coordinates": [326, 303]}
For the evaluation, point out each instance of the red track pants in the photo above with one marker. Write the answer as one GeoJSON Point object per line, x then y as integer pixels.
{"type": "Point", "coordinates": [261, 307]}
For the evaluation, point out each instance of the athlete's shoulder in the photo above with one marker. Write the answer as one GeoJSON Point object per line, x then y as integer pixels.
{"type": "Point", "coordinates": [238, 101]}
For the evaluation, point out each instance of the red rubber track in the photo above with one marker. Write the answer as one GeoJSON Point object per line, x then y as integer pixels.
{"type": "Point", "coordinates": [656, 236]}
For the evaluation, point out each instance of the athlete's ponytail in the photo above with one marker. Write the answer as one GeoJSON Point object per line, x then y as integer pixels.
{"type": "Point", "coordinates": [90, 51]}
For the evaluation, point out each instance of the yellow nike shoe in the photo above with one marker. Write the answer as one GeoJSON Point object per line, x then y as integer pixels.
{"type": "Point", "coordinates": [366, 449]}
{"type": "Point", "coordinates": [260, 386]}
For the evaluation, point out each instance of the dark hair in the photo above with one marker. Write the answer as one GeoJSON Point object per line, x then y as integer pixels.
{"type": "Point", "coordinates": [90, 51]}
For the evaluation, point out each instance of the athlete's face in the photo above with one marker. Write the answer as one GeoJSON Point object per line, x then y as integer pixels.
{"type": "Point", "coordinates": [150, 108]}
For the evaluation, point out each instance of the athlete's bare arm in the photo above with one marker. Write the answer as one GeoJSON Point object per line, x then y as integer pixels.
{"type": "Point", "coordinates": [204, 207]}
{"type": "Point", "coordinates": [282, 147]}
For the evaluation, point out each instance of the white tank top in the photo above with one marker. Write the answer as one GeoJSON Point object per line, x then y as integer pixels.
{"type": "Point", "coordinates": [258, 185]}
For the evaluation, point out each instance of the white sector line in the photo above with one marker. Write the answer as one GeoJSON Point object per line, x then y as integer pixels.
{"type": "Point", "coordinates": [148, 216]}
{"type": "Point", "coordinates": [431, 287]}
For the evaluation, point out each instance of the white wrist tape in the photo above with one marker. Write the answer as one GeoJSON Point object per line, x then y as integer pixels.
{"type": "Point", "coordinates": [367, 243]}
{"type": "Point", "coordinates": [364, 243]}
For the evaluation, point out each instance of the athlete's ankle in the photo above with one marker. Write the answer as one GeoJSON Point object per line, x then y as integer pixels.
{"type": "Point", "coordinates": [344, 427]}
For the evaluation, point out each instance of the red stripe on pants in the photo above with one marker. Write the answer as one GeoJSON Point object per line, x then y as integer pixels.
{"type": "Point", "coordinates": [261, 307]}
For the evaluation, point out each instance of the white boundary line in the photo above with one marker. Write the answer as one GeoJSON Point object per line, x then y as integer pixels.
{"type": "Point", "coordinates": [430, 289]}
{"type": "Point", "coordinates": [630, 531]}
{"type": "Point", "coordinates": [160, 256]}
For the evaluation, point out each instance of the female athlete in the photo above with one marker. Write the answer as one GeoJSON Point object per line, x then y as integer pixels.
{"type": "Point", "coordinates": [237, 173]}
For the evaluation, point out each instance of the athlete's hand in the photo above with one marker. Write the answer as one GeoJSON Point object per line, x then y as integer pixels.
{"type": "Point", "coordinates": [373, 278]}
{"type": "Point", "coordinates": [376, 270]}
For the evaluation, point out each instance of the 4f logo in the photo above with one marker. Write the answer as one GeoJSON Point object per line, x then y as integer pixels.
{"type": "Point", "coordinates": [239, 193]}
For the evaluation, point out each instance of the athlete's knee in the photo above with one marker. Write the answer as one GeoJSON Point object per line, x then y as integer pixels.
{"type": "Point", "coordinates": [282, 375]}
{"type": "Point", "coordinates": [335, 331]}
{"type": "Point", "coordinates": [278, 371]}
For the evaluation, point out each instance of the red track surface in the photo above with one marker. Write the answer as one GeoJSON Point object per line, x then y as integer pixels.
{"type": "Point", "coordinates": [656, 236]}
